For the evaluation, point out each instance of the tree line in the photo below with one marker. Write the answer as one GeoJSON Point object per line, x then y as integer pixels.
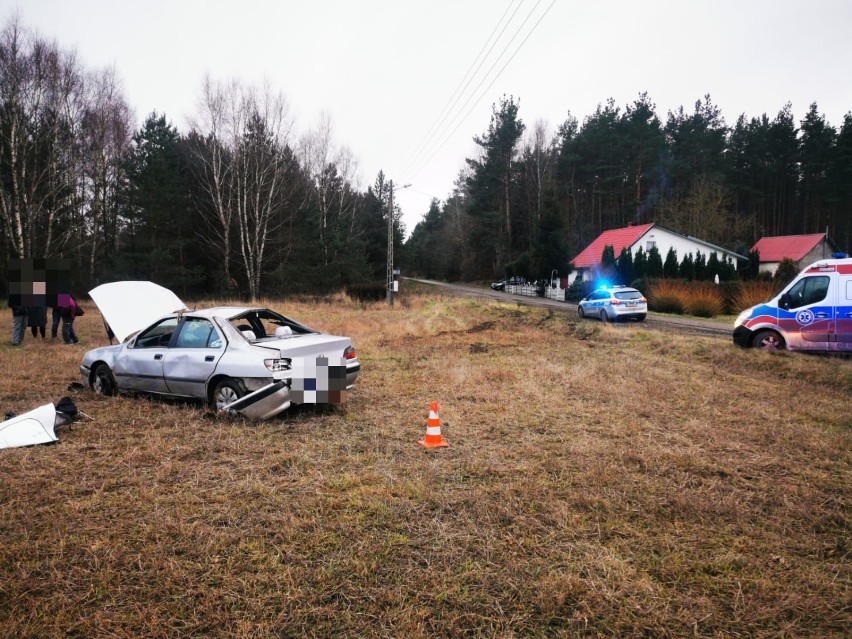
{"type": "Point", "coordinates": [238, 205]}
{"type": "Point", "coordinates": [532, 199]}
{"type": "Point", "coordinates": [242, 204]}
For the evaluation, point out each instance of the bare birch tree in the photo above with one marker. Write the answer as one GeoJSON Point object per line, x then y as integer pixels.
{"type": "Point", "coordinates": [106, 135]}
{"type": "Point", "coordinates": [539, 154]}
{"type": "Point", "coordinates": [242, 159]}
{"type": "Point", "coordinates": [331, 171]}
{"type": "Point", "coordinates": [41, 90]}
{"type": "Point", "coordinates": [212, 167]}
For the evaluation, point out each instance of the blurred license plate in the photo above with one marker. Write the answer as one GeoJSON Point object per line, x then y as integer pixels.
{"type": "Point", "coordinates": [630, 304]}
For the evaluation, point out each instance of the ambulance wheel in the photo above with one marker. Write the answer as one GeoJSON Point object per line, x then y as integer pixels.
{"type": "Point", "coordinates": [768, 340]}
{"type": "Point", "coordinates": [103, 383]}
{"type": "Point", "coordinates": [225, 392]}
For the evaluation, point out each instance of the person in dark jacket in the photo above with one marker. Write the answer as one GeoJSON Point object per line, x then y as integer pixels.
{"type": "Point", "coordinates": [56, 317]}
{"type": "Point", "coordinates": [69, 313]}
{"type": "Point", "coordinates": [19, 324]}
{"type": "Point", "coordinates": [37, 320]}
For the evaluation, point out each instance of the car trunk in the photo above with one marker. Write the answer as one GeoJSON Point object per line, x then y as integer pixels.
{"type": "Point", "coordinates": [313, 344]}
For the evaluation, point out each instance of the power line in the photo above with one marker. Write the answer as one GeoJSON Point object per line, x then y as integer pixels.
{"type": "Point", "coordinates": [481, 95]}
{"type": "Point", "coordinates": [484, 78]}
{"type": "Point", "coordinates": [423, 145]}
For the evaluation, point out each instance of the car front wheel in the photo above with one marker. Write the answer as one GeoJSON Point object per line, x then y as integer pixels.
{"type": "Point", "coordinates": [580, 311]}
{"type": "Point", "coordinates": [768, 340]}
{"type": "Point", "coordinates": [103, 382]}
{"type": "Point", "coordinates": [226, 392]}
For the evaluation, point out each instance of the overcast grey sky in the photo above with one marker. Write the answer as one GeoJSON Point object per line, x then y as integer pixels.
{"type": "Point", "coordinates": [384, 70]}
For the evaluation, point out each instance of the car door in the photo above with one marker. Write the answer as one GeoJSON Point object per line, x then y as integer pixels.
{"type": "Point", "coordinates": [809, 317]}
{"type": "Point", "coordinates": [193, 357]}
{"type": "Point", "coordinates": [601, 298]}
{"type": "Point", "coordinates": [844, 310]}
{"type": "Point", "coordinates": [139, 367]}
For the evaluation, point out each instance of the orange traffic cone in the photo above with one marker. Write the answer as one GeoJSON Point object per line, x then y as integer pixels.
{"type": "Point", "coordinates": [433, 438]}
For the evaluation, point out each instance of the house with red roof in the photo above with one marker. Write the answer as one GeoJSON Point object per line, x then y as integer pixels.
{"type": "Point", "coordinates": [646, 236]}
{"type": "Point", "coordinates": [802, 249]}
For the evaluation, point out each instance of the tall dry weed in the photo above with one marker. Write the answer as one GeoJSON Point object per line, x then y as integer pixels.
{"type": "Point", "coordinates": [752, 294]}
{"type": "Point", "coordinates": [702, 299]}
{"type": "Point", "coordinates": [666, 296]}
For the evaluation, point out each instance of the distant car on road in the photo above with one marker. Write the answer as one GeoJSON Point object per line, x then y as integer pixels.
{"type": "Point", "coordinates": [512, 281]}
{"type": "Point", "coordinates": [613, 303]}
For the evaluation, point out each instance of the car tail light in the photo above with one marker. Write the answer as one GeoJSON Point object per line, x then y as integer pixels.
{"type": "Point", "coordinates": [349, 353]}
{"type": "Point", "coordinates": [643, 300]}
{"type": "Point", "coordinates": [615, 302]}
{"type": "Point", "coordinates": [277, 365]}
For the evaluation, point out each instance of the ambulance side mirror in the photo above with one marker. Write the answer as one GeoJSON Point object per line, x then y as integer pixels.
{"type": "Point", "coordinates": [784, 302]}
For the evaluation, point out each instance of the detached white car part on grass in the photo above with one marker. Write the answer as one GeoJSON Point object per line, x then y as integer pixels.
{"type": "Point", "coordinates": [250, 360]}
{"type": "Point", "coordinates": [34, 427]}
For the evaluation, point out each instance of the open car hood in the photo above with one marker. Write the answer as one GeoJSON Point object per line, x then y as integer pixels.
{"type": "Point", "coordinates": [129, 307]}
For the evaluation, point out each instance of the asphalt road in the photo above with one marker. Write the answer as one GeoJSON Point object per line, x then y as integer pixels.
{"type": "Point", "coordinates": [654, 321]}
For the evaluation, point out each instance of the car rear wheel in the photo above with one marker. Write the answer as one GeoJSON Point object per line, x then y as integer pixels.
{"type": "Point", "coordinates": [226, 392]}
{"type": "Point", "coordinates": [103, 382]}
{"type": "Point", "coordinates": [604, 316]}
{"type": "Point", "coordinates": [768, 340]}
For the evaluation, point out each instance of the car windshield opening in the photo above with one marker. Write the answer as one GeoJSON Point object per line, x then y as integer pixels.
{"type": "Point", "coordinates": [628, 295]}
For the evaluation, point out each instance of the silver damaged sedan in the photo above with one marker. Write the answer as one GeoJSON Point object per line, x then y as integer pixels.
{"type": "Point", "coordinates": [243, 359]}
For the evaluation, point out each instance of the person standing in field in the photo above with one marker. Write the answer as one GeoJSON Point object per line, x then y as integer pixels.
{"type": "Point", "coordinates": [69, 311]}
{"type": "Point", "coordinates": [37, 320]}
{"type": "Point", "coordinates": [19, 324]}
{"type": "Point", "coordinates": [56, 317]}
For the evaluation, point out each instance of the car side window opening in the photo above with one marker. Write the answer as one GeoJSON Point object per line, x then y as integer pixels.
{"type": "Point", "coordinates": [808, 290]}
{"type": "Point", "coordinates": [197, 332]}
{"type": "Point", "coordinates": [158, 335]}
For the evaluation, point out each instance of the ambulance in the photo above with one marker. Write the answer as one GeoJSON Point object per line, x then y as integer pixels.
{"type": "Point", "coordinates": [813, 313]}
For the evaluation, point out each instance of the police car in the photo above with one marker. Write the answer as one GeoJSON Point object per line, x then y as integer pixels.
{"type": "Point", "coordinates": [613, 303]}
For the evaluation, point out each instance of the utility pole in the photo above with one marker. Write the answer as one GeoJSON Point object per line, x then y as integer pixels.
{"type": "Point", "coordinates": [390, 246]}
{"type": "Point", "coordinates": [390, 243]}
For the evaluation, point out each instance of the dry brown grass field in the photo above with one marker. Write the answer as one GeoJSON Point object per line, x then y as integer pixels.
{"type": "Point", "coordinates": [601, 482]}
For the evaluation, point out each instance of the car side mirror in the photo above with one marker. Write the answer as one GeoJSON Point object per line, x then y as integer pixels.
{"type": "Point", "coordinates": [785, 302]}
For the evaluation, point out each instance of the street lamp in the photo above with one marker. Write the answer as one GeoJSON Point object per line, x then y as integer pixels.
{"type": "Point", "coordinates": [390, 243]}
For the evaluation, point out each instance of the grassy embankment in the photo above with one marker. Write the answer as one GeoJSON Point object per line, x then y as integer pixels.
{"type": "Point", "coordinates": [601, 481]}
